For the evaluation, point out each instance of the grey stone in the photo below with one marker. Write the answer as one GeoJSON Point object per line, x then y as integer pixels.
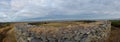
{"type": "Point", "coordinates": [70, 33]}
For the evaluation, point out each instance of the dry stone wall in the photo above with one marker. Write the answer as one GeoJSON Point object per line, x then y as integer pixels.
{"type": "Point", "coordinates": [94, 32]}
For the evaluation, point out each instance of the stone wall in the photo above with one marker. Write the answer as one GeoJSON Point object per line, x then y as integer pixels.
{"type": "Point", "coordinates": [92, 32]}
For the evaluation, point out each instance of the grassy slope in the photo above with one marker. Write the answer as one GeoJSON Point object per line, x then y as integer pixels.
{"type": "Point", "coordinates": [7, 33]}
{"type": "Point", "coordinates": [116, 23]}
{"type": "Point", "coordinates": [115, 33]}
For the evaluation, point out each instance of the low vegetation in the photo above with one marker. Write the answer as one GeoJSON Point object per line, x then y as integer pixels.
{"type": "Point", "coordinates": [7, 32]}
{"type": "Point", "coordinates": [4, 25]}
{"type": "Point", "coordinates": [116, 23]}
{"type": "Point", "coordinates": [115, 32]}
{"type": "Point", "coordinates": [59, 24]}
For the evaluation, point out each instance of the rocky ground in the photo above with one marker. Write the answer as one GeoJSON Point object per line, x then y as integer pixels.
{"type": "Point", "coordinates": [7, 34]}
{"type": "Point", "coordinates": [64, 32]}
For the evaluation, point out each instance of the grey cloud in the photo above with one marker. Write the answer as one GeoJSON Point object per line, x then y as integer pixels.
{"type": "Point", "coordinates": [25, 9]}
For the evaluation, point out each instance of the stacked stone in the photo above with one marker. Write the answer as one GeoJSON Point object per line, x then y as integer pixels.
{"type": "Point", "coordinates": [71, 33]}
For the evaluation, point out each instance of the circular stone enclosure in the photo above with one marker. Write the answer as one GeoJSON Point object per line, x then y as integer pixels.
{"type": "Point", "coordinates": [70, 31]}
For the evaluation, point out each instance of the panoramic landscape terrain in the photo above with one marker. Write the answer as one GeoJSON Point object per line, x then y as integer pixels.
{"type": "Point", "coordinates": [7, 33]}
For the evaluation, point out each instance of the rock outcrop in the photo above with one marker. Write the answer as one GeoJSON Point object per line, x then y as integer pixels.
{"type": "Point", "coordinates": [97, 31]}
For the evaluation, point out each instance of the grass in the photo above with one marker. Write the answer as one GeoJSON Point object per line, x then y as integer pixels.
{"type": "Point", "coordinates": [115, 23]}
{"type": "Point", "coordinates": [115, 32]}
{"type": "Point", "coordinates": [7, 32]}
{"type": "Point", "coordinates": [59, 24]}
{"type": "Point", "coordinates": [4, 25]}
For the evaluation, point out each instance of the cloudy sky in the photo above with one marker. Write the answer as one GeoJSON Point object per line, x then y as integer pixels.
{"type": "Point", "coordinates": [40, 10]}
